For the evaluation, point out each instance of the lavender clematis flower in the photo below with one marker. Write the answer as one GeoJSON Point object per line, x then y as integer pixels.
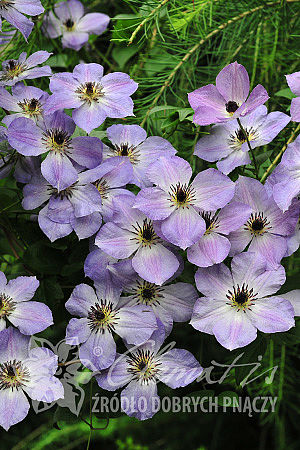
{"type": "Point", "coordinates": [214, 246]}
{"type": "Point", "coordinates": [6, 36]}
{"type": "Point", "coordinates": [25, 101]}
{"type": "Point", "coordinates": [267, 228]}
{"type": "Point", "coordinates": [141, 368]}
{"type": "Point", "coordinates": [170, 303]}
{"type": "Point", "coordinates": [13, 10]}
{"type": "Point", "coordinates": [176, 202]}
{"type": "Point", "coordinates": [287, 184]}
{"type": "Point", "coordinates": [227, 142]}
{"type": "Point", "coordinates": [70, 22]}
{"type": "Point", "coordinates": [93, 95]}
{"type": "Point", "coordinates": [24, 372]}
{"type": "Point", "coordinates": [55, 138]}
{"type": "Point", "coordinates": [30, 317]}
{"type": "Point", "coordinates": [293, 80]}
{"type": "Point", "coordinates": [228, 99]}
{"type": "Point", "coordinates": [131, 141]}
{"type": "Point", "coordinates": [131, 233]}
{"type": "Point", "coordinates": [239, 302]}
{"type": "Point", "coordinates": [102, 314]}
{"type": "Point", "coordinates": [24, 68]}
{"type": "Point", "coordinates": [74, 208]}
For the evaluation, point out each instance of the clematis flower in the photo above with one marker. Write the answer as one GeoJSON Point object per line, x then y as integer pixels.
{"type": "Point", "coordinates": [132, 233]}
{"type": "Point", "coordinates": [6, 36]}
{"type": "Point", "coordinates": [131, 141]}
{"type": "Point", "coordinates": [287, 184]}
{"type": "Point", "coordinates": [267, 228]}
{"type": "Point", "coordinates": [13, 10]}
{"type": "Point", "coordinates": [23, 68]}
{"type": "Point", "coordinates": [101, 316]}
{"type": "Point", "coordinates": [141, 368]}
{"type": "Point", "coordinates": [175, 201]}
{"type": "Point", "coordinates": [24, 373]}
{"type": "Point", "coordinates": [74, 208]}
{"type": "Point", "coordinates": [25, 101]}
{"type": "Point", "coordinates": [293, 80]}
{"type": "Point", "coordinates": [29, 316]}
{"type": "Point", "coordinates": [109, 178]}
{"type": "Point", "coordinates": [227, 142]}
{"type": "Point", "coordinates": [169, 302]}
{"type": "Point", "coordinates": [228, 99]}
{"type": "Point", "coordinates": [214, 246]}
{"type": "Point", "coordinates": [239, 302]}
{"type": "Point", "coordinates": [70, 22]}
{"type": "Point", "coordinates": [55, 137]}
{"type": "Point", "coordinates": [92, 95]}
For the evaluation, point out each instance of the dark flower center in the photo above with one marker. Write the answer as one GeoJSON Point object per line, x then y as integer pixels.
{"type": "Point", "coordinates": [241, 135]}
{"type": "Point", "coordinates": [102, 317]}
{"type": "Point", "coordinates": [211, 221]}
{"type": "Point", "coordinates": [90, 92]}
{"type": "Point", "coordinates": [89, 88]}
{"type": "Point", "coordinates": [7, 305]}
{"type": "Point", "coordinates": [33, 104]}
{"type": "Point", "coordinates": [69, 23]}
{"type": "Point", "coordinates": [12, 69]}
{"type": "Point", "coordinates": [182, 195]}
{"type": "Point", "coordinates": [124, 150]}
{"type": "Point", "coordinates": [102, 187]}
{"type": "Point", "coordinates": [147, 293]}
{"type": "Point", "coordinates": [231, 106]}
{"type": "Point", "coordinates": [257, 224]}
{"type": "Point", "coordinates": [145, 233]}
{"type": "Point", "coordinates": [13, 375]}
{"type": "Point", "coordinates": [59, 137]}
{"type": "Point", "coordinates": [241, 298]}
{"type": "Point", "coordinates": [142, 366]}
{"type": "Point", "coordinates": [31, 107]}
{"type": "Point", "coordinates": [57, 140]}
{"type": "Point", "coordinates": [65, 193]}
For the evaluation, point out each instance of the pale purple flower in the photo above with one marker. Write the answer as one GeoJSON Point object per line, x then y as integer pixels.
{"type": "Point", "coordinates": [228, 99]}
{"type": "Point", "coordinates": [13, 10]}
{"type": "Point", "coordinates": [239, 302]}
{"type": "Point", "coordinates": [15, 306]}
{"type": "Point", "coordinates": [23, 68]}
{"type": "Point", "coordinates": [293, 80]}
{"type": "Point", "coordinates": [24, 373]}
{"type": "Point", "coordinates": [6, 37]}
{"type": "Point", "coordinates": [169, 302]}
{"type": "Point", "coordinates": [141, 368]}
{"type": "Point", "coordinates": [101, 315]}
{"type": "Point", "coordinates": [70, 22]}
{"type": "Point", "coordinates": [227, 143]}
{"type": "Point", "coordinates": [132, 233]}
{"type": "Point", "coordinates": [131, 141]}
{"type": "Point", "coordinates": [92, 95]}
{"type": "Point", "coordinates": [287, 184]}
{"type": "Point", "coordinates": [55, 137]}
{"type": "Point", "coordinates": [176, 201]}
{"type": "Point", "coordinates": [214, 246]}
{"type": "Point", "coordinates": [267, 228]}
{"type": "Point", "coordinates": [25, 101]}
{"type": "Point", "coordinates": [75, 208]}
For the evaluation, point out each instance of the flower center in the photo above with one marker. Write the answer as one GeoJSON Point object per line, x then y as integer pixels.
{"type": "Point", "coordinates": [257, 224]}
{"type": "Point", "coordinates": [57, 140]}
{"type": "Point", "coordinates": [102, 317]}
{"type": "Point", "coordinates": [147, 293]}
{"type": "Point", "coordinates": [145, 233]}
{"type": "Point", "coordinates": [31, 107]}
{"type": "Point", "coordinates": [142, 366]}
{"type": "Point", "coordinates": [69, 24]}
{"type": "Point", "coordinates": [12, 70]}
{"type": "Point", "coordinates": [102, 187]}
{"type": "Point", "coordinates": [182, 195]}
{"type": "Point", "coordinates": [65, 193]}
{"type": "Point", "coordinates": [211, 221]}
{"type": "Point", "coordinates": [7, 305]}
{"type": "Point", "coordinates": [90, 92]}
{"type": "Point", "coordinates": [5, 4]}
{"type": "Point", "coordinates": [128, 150]}
{"type": "Point", "coordinates": [241, 298]}
{"type": "Point", "coordinates": [231, 107]}
{"type": "Point", "coordinates": [13, 375]}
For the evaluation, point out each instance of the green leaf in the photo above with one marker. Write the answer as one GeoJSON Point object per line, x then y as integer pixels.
{"type": "Point", "coordinates": [286, 93]}
{"type": "Point", "coordinates": [123, 54]}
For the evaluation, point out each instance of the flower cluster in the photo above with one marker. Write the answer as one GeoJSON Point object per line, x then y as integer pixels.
{"type": "Point", "coordinates": [79, 183]}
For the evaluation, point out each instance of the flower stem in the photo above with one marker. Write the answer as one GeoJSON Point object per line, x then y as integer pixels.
{"type": "Point", "coordinates": [249, 146]}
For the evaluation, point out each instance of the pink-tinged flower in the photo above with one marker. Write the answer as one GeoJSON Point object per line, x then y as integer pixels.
{"type": "Point", "coordinates": [15, 305]}
{"type": "Point", "coordinates": [102, 315]}
{"type": "Point", "coordinates": [228, 99]}
{"type": "Point", "coordinates": [175, 201]}
{"type": "Point", "coordinates": [169, 302]}
{"type": "Point", "coordinates": [286, 186]}
{"type": "Point", "coordinates": [214, 246]}
{"type": "Point", "coordinates": [131, 141]}
{"type": "Point", "coordinates": [227, 142]}
{"type": "Point", "coordinates": [132, 233]}
{"type": "Point", "coordinates": [54, 137]}
{"type": "Point", "coordinates": [70, 22]}
{"type": "Point", "coordinates": [23, 68]}
{"type": "Point", "coordinates": [13, 10]}
{"type": "Point", "coordinates": [24, 373]}
{"type": "Point", "coordinates": [239, 302]}
{"type": "Point", "coordinates": [25, 101]}
{"type": "Point", "coordinates": [293, 80]}
{"type": "Point", "coordinates": [92, 95]}
{"type": "Point", "coordinates": [141, 368]}
{"type": "Point", "coordinates": [267, 228]}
